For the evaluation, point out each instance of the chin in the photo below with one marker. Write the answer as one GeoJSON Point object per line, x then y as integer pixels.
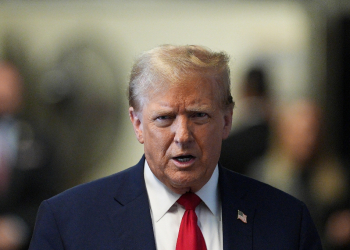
{"type": "Point", "coordinates": [186, 186]}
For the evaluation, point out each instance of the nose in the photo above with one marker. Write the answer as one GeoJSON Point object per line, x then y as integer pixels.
{"type": "Point", "coordinates": [183, 131]}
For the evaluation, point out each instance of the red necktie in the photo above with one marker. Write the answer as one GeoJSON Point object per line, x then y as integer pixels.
{"type": "Point", "coordinates": [190, 236]}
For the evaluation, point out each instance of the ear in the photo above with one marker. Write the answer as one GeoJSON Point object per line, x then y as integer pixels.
{"type": "Point", "coordinates": [227, 123]}
{"type": "Point", "coordinates": [137, 124]}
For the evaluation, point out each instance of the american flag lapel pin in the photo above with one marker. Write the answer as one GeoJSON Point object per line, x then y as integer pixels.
{"type": "Point", "coordinates": [241, 216]}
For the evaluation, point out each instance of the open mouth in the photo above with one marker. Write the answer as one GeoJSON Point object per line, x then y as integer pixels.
{"type": "Point", "coordinates": [184, 158]}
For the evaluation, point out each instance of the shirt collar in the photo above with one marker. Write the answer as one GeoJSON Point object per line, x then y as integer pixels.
{"type": "Point", "coordinates": [161, 198]}
{"type": "Point", "coordinates": [209, 193]}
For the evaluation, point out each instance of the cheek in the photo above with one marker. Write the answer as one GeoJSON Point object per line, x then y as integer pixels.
{"type": "Point", "coordinates": [209, 140]}
{"type": "Point", "coordinates": [157, 140]}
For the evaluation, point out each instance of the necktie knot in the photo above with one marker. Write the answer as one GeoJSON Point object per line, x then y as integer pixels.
{"type": "Point", "coordinates": [189, 200]}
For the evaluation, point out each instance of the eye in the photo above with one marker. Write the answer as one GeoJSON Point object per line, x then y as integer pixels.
{"type": "Point", "coordinates": [163, 120]}
{"type": "Point", "coordinates": [200, 117]}
{"type": "Point", "coordinates": [163, 117]}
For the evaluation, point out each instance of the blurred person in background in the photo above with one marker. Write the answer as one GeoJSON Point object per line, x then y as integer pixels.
{"type": "Point", "coordinates": [250, 139]}
{"type": "Point", "coordinates": [298, 163]}
{"type": "Point", "coordinates": [26, 176]}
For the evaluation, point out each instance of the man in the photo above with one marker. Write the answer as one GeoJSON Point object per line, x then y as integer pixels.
{"type": "Point", "coordinates": [181, 110]}
{"type": "Point", "coordinates": [27, 175]}
{"type": "Point", "coordinates": [249, 140]}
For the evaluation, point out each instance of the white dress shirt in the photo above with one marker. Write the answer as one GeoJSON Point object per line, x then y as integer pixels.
{"type": "Point", "coordinates": [167, 213]}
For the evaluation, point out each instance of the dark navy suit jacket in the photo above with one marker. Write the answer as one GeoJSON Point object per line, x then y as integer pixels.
{"type": "Point", "coordinates": [114, 213]}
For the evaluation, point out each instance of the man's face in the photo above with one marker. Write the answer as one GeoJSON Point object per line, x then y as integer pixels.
{"type": "Point", "coordinates": [182, 128]}
{"type": "Point", "coordinates": [10, 90]}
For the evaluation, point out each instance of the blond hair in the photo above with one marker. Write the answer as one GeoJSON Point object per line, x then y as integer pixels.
{"type": "Point", "coordinates": [169, 64]}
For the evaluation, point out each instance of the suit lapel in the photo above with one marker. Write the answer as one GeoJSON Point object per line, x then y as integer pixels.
{"type": "Point", "coordinates": [236, 234]}
{"type": "Point", "coordinates": [131, 216]}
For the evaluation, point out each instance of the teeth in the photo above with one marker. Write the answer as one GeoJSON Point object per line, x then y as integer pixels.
{"type": "Point", "coordinates": [184, 158]}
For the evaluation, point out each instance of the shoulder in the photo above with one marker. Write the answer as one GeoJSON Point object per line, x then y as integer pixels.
{"type": "Point", "coordinates": [255, 192]}
{"type": "Point", "coordinates": [102, 190]}
{"type": "Point", "coordinates": [280, 219]}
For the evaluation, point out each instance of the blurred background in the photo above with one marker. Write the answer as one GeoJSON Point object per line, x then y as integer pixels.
{"type": "Point", "coordinates": [72, 61]}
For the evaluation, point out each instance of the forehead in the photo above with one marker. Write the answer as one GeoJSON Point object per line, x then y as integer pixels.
{"type": "Point", "coordinates": [192, 90]}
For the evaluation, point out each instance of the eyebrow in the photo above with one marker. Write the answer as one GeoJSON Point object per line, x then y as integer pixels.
{"type": "Point", "coordinates": [164, 108]}
{"type": "Point", "coordinates": [204, 108]}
